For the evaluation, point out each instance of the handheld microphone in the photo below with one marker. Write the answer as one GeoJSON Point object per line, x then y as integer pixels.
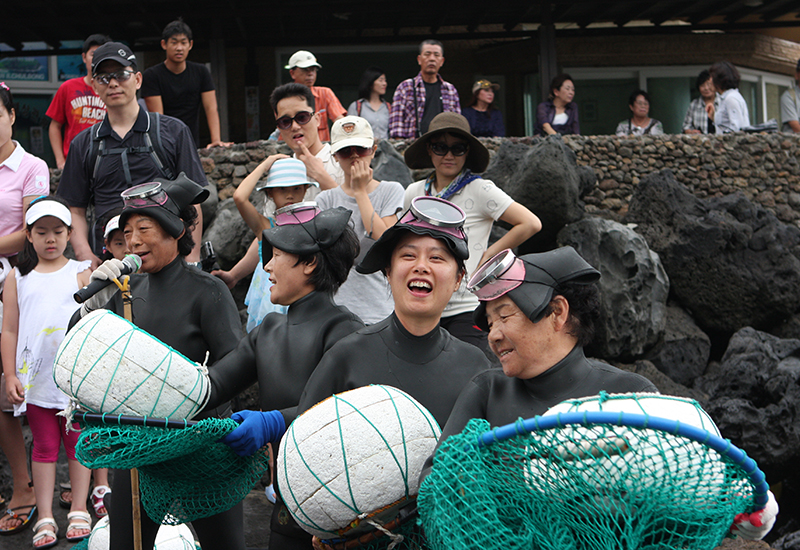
{"type": "Point", "coordinates": [131, 264]}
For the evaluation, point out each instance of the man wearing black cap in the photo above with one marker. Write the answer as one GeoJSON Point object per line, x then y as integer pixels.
{"type": "Point", "coordinates": [127, 148]}
{"type": "Point", "coordinates": [790, 105]}
{"type": "Point", "coordinates": [75, 106]}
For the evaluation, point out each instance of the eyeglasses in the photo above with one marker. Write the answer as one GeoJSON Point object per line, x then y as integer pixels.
{"type": "Point", "coordinates": [302, 118]}
{"type": "Point", "coordinates": [145, 194]}
{"type": "Point", "coordinates": [440, 149]}
{"type": "Point", "coordinates": [347, 152]}
{"type": "Point", "coordinates": [119, 76]}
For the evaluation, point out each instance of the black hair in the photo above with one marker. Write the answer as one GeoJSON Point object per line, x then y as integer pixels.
{"type": "Point", "coordinates": [637, 93]}
{"type": "Point", "coordinates": [474, 100]}
{"type": "Point", "coordinates": [333, 264]}
{"type": "Point", "coordinates": [430, 42]}
{"type": "Point", "coordinates": [292, 89]}
{"type": "Point", "coordinates": [584, 310]}
{"type": "Point", "coordinates": [557, 82]}
{"type": "Point", "coordinates": [724, 75]}
{"type": "Point", "coordinates": [186, 242]}
{"type": "Point", "coordinates": [702, 78]}
{"type": "Point", "coordinates": [460, 263]}
{"type": "Point", "coordinates": [27, 259]}
{"type": "Point", "coordinates": [6, 98]}
{"type": "Point", "coordinates": [367, 81]}
{"type": "Point", "coordinates": [175, 28]}
{"type": "Point", "coordinates": [95, 40]}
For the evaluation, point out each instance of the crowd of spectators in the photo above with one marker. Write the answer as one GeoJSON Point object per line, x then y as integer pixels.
{"type": "Point", "coordinates": [110, 146]}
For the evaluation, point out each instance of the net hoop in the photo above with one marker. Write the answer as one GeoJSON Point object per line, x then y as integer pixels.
{"type": "Point", "coordinates": [588, 418]}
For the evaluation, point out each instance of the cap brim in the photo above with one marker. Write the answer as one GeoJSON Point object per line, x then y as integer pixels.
{"type": "Point", "coordinates": [290, 184]}
{"type": "Point", "coordinates": [365, 142]}
{"type": "Point", "coordinates": [417, 156]}
{"type": "Point", "coordinates": [380, 255]}
{"type": "Point", "coordinates": [303, 65]}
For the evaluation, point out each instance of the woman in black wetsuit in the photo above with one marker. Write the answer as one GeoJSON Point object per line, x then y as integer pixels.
{"type": "Point", "coordinates": [424, 264]}
{"type": "Point", "coordinates": [183, 307]}
{"type": "Point", "coordinates": [309, 255]}
{"type": "Point", "coordinates": [539, 310]}
{"type": "Point", "coordinates": [423, 260]}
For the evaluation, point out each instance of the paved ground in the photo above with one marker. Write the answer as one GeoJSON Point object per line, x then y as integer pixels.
{"type": "Point", "coordinates": [257, 510]}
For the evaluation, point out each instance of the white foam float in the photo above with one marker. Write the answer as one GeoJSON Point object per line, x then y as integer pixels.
{"type": "Point", "coordinates": [169, 537]}
{"type": "Point", "coordinates": [628, 457]}
{"type": "Point", "coordinates": [109, 365]}
{"type": "Point", "coordinates": [357, 454]}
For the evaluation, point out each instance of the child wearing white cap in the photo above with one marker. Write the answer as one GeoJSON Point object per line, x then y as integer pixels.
{"type": "Point", "coordinates": [38, 303]}
{"type": "Point", "coordinates": [374, 204]}
{"type": "Point", "coordinates": [287, 183]}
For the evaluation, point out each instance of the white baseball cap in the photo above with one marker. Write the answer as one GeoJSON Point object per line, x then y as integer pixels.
{"type": "Point", "coordinates": [40, 208]}
{"type": "Point", "coordinates": [303, 60]}
{"type": "Point", "coordinates": [351, 130]}
{"type": "Point", "coordinates": [112, 225]}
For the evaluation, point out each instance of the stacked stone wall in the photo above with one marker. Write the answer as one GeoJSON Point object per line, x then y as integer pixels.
{"type": "Point", "coordinates": [765, 167]}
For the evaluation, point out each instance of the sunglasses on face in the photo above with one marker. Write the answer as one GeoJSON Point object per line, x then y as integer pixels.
{"type": "Point", "coordinates": [119, 76]}
{"type": "Point", "coordinates": [302, 118]}
{"type": "Point", "coordinates": [440, 149]}
{"type": "Point", "coordinates": [347, 152]}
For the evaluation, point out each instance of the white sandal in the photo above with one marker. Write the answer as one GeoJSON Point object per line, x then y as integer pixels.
{"type": "Point", "coordinates": [79, 520]}
{"type": "Point", "coordinates": [39, 532]}
{"type": "Point", "coordinates": [97, 500]}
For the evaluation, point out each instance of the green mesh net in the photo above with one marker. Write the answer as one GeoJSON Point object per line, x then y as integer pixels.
{"type": "Point", "coordinates": [576, 488]}
{"type": "Point", "coordinates": [184, 474]}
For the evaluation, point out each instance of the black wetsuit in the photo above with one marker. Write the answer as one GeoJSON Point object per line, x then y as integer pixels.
{"type": "Point", "coordinates": [193, 312]}
{"type": "Point", "coordinates": [432, 369]}
{"type": "Point", "coordinates": [281, 354]}
{"type": "Point", "coordinates": [501, 400]}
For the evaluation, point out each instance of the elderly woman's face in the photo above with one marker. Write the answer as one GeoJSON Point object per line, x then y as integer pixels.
{"type": "Point", "coordinates": [146, 238]}
{"type": "Point", "coordinates": [423, 275]}
{"type": "Point", "coordinates": [523, 347]}
{"type": "Point", "coordinates": [640, 107]}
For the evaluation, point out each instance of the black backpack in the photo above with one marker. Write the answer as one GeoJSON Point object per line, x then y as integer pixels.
{"type": "Point", "coordinates": [153, 147]}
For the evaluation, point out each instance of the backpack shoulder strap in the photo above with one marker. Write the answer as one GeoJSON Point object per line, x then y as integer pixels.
{"type": "Point", "coordinates": [153, 138]}
{"type": "Point", "coordinates": [359, 103]}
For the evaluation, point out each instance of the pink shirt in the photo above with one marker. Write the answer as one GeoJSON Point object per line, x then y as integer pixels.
{"type": "Point", "coordinates": [21, 175]}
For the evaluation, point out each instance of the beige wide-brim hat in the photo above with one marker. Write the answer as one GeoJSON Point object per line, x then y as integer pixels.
{"type": "Point", "coordinates": [417, 155]}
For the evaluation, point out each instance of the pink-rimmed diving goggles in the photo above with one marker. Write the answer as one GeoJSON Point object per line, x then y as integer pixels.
{"type": "Point", "coordinates": [436, 213]}
{"type": "Point", "coordinates": [144, 194]}
{"type": "Point", "coordinates": [293, 214]}
{"type": "Point", "coordinates": [502, 273]}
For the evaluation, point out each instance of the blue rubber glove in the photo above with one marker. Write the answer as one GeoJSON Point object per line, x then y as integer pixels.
{"type": "Point", "coordinates": [255, 430]}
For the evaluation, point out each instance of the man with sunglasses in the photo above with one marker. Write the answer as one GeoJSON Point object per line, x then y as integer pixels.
{"type": "Point", "coordinates": [297, 120]}
{"type": "Point", "coordinates": [127, 148]}
{"type": "Point", "coordinates": [296, 116]}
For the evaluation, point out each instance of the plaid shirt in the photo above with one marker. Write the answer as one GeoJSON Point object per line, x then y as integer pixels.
{"type": "Point", "coordinates": [402, 120]}
{"type": "Point", "coordinates": [696, 116]}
